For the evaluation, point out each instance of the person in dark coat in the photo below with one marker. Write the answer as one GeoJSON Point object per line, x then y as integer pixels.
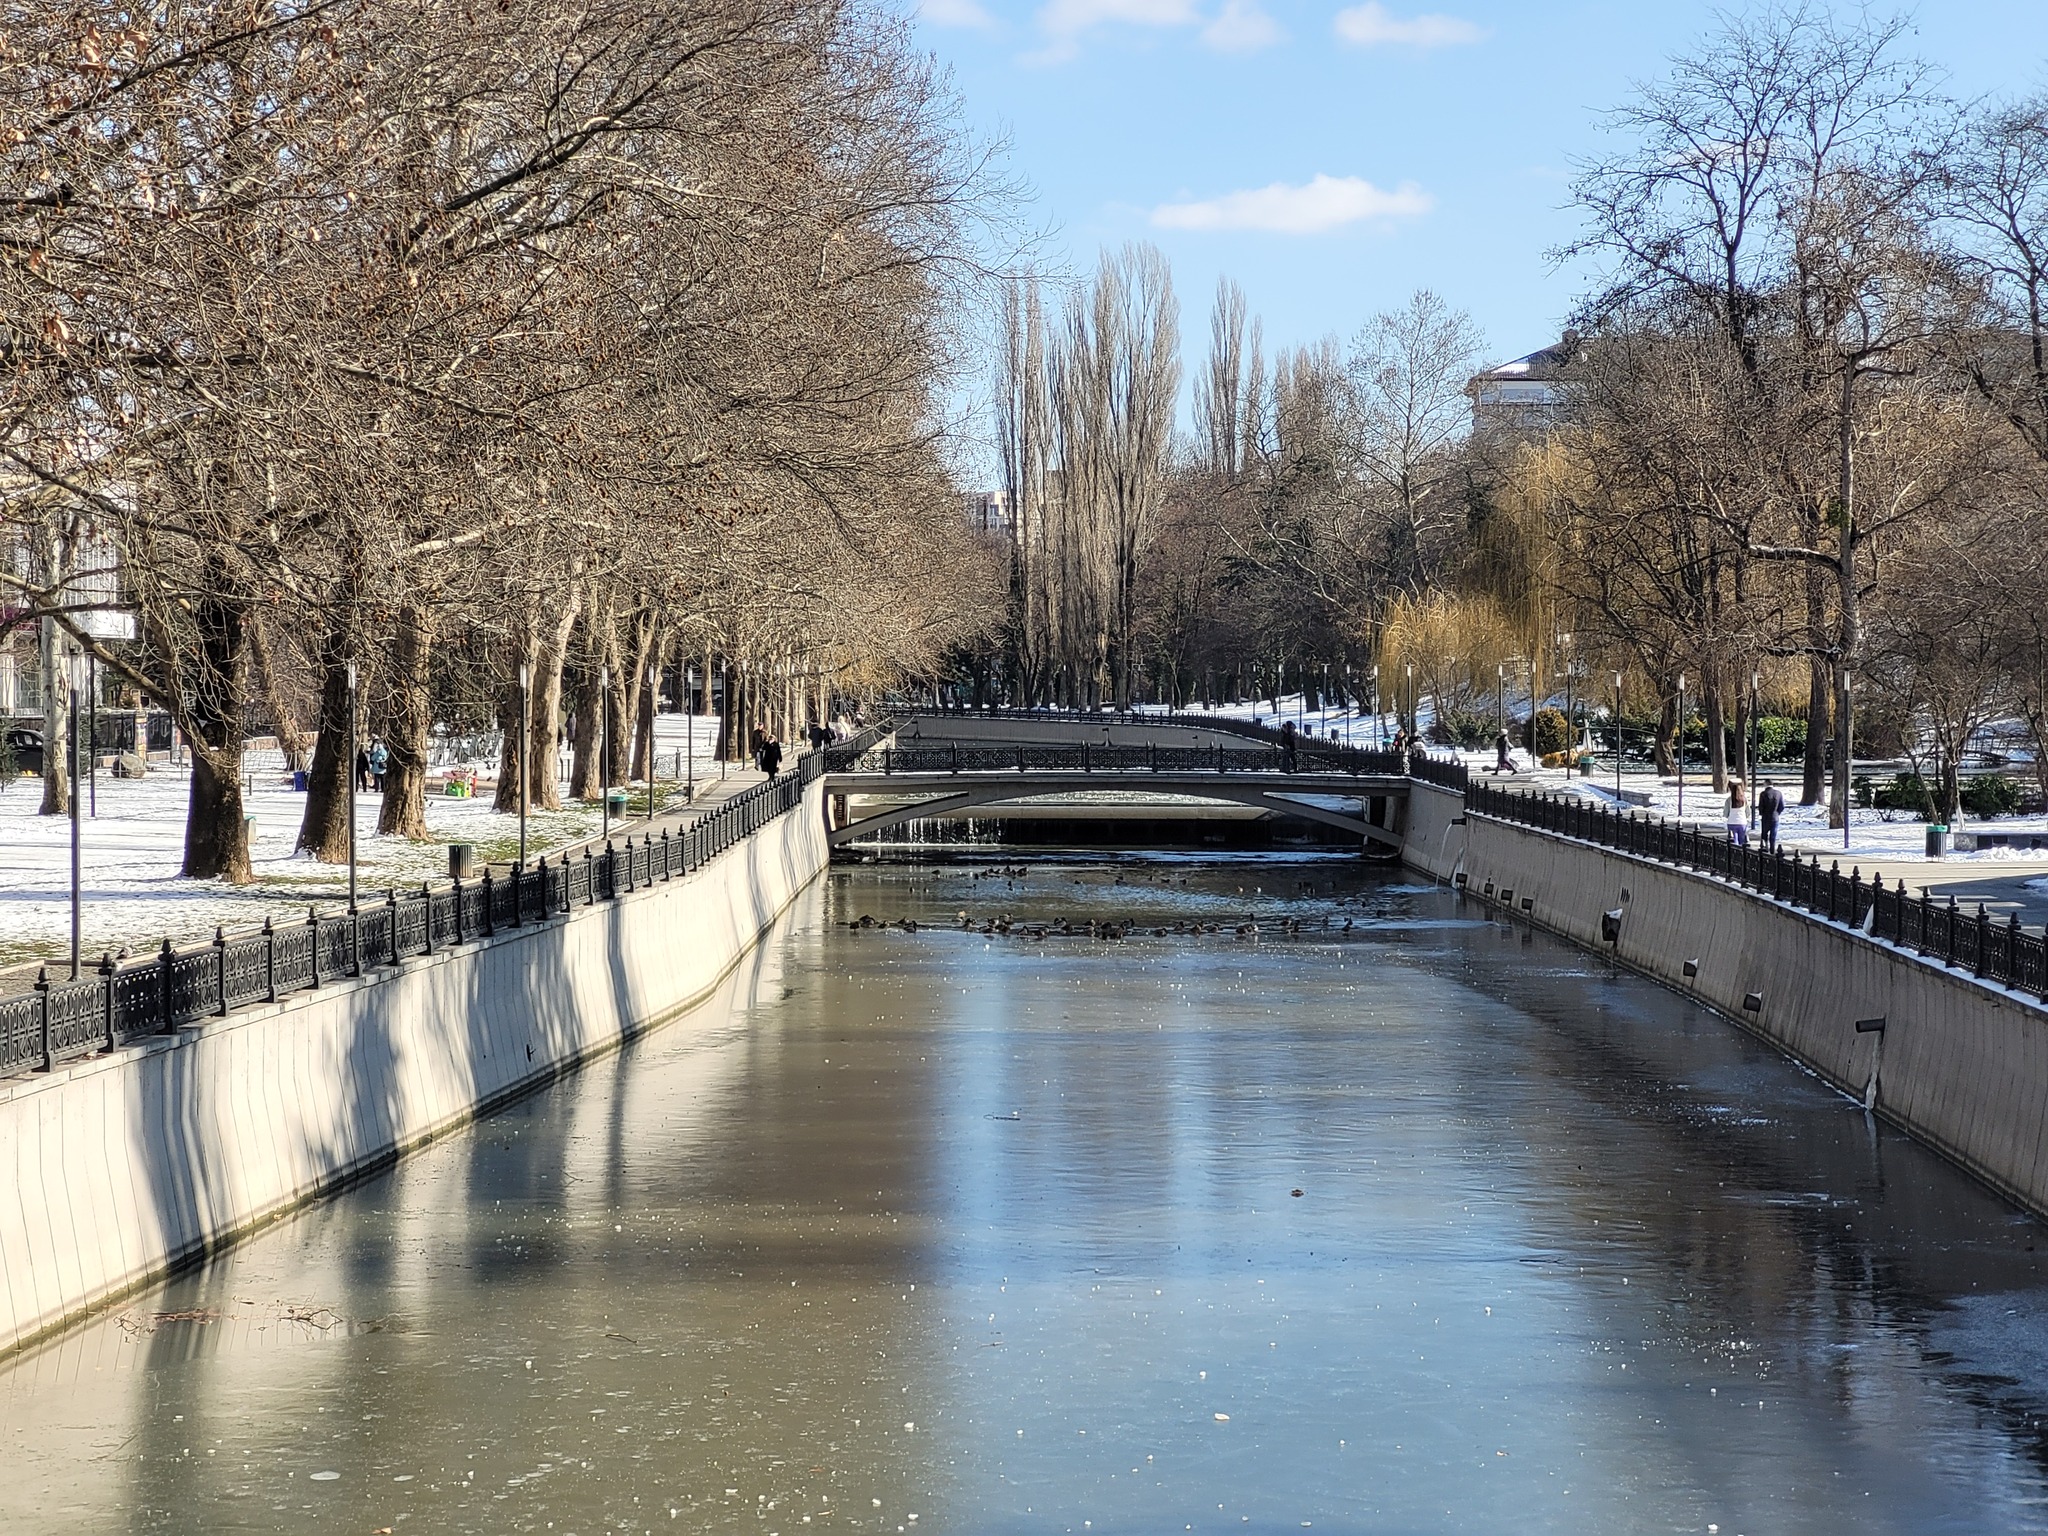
{"type": "Point", "coordinates": [1503, 756]}
{"type": "Point", "coordinates": [771, 756]}
{"type": "Point", "coordinates": [362, 770]}
{"type": "Point", "coordinates": [1287, 746]}
{"type": "Point", "coordinates": [1770, 805]}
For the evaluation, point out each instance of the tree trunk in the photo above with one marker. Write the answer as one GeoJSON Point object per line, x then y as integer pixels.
{"type": "Point", "coordinates": [323, 829]}
{"type": "Point", "coordinates": [547, 702]}
{"type": "Point", "coordinates": [1667, 730]}
{"type": "Point", "coordinates": [216, 840]}
{"type": "Point", "coordinates": [1717, 735]}
{"type": "Point", "coordinates": [292, 741]}
{"type": "Point", "coordinates": [1819, 713]}
{"type": "Point", "coordinates": [408, 718]}
{"type": "Point", "coordinates": [583, 712]}
{"type": "Point", "coordinates": [56, 725]}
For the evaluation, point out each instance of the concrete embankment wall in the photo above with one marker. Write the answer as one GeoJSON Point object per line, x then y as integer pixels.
{"type": "Point", "coordinates": [117, 1168]}
{"type": "Point", "coordinates": [1961, 1064]}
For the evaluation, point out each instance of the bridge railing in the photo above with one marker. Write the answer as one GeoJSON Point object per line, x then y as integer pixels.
{"type": "Point", "coordinates": [56, 1021]}
{"type": "Point", "coordinates": [1099, 757]}
{"type": "Point", "coordinates": [2001, 952]}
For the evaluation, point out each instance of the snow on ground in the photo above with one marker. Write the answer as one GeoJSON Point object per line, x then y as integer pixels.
{"type": "Point", "coordinates": [1875, 837]}
{"type": "Point", "coordinates": [132, 895]}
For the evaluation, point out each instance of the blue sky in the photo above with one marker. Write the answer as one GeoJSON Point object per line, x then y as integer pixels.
{"type": "Point", "coordinates": [1443, 136]}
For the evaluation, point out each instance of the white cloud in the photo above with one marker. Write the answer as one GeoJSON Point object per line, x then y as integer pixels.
{"type": "Point", "coordinates": [1325, 203]}
{"type": "Point", "coordinates": [1241, 27]}
{"type": "Point", "coordinates": [955, 13]}
{"type": "Point", "coordinates": [1371, 24]}
{"type": "Point", "coordinates": [1068, 19]}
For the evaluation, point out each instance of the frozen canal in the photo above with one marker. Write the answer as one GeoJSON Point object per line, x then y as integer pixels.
{"type": "Point", "coordinates": [1427, 1226]}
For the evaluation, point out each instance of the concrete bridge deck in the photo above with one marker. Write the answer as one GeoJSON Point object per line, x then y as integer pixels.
{"type": "Point", "coordinates": [924, 792]}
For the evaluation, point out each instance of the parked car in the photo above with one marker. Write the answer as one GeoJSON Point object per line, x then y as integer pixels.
{"type": "Point", "coordinates": [25, 748]}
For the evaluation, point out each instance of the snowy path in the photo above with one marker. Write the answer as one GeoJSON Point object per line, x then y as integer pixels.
{"type": "Point", "coordinates": [129, 856]}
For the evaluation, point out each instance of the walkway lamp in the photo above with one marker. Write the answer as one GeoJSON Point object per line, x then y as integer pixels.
{"type": "Point", "coordinates": [689, 733]}
{"type": "Point", "coordinates": [1571, 737]}
{"type": "Point", "coordinates": [350, 673]}
{"type": "Point", "coordinates": [1754, 743]}
{"type": "Point", "coordinates": [653, 712]}
{"type": "Point", "coordinates": [1500, 699]}
{"type": "Point", "coordinates": [1680, 734]}
{"type": "Point", "coordinates": [1411, 700]}
{"type": "Point", "coordinates": [525, 751]}
{"type": "Point", "coordinates": [92, 733]}
{"type": "Point", "coordinates": [1379, 739]}
{"type": "Point", "coordinates": [604, 749]}
{"type": "Point", "coordinates": [1617, 738]}
{"type": "Point", "coordinates": [71, 696]}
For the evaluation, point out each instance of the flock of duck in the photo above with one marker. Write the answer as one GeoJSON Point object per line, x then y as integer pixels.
{"type": "Point", "coordinates": [1004, 925]}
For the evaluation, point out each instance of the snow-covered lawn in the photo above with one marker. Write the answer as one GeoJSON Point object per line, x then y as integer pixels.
{"type": "Point", "coordinates": [1873, 839]}
{"type": "Point", "coordinates": [132, 895]}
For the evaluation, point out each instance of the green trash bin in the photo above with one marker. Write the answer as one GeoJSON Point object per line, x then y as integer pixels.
{"type": "Point", "coordinates": [1937, 840]}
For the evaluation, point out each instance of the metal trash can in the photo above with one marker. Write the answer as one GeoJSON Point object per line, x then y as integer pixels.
{"type": "Point", "coordinates": [1937, 840]}
{"type": "Point", "coordinates": [299, 780]}
{"type": "Point", "coordinates": [462, 860]}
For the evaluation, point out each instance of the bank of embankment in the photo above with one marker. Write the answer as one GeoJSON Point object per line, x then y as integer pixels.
{"type": "Point", "coordinates": [118, 1168]}
{"type": "Point", "coordinates": [1960, 1063]}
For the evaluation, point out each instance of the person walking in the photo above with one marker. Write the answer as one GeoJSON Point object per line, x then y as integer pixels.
{"type": "Point", "coordinates": [362, 770]}
{"type": "Point", "coordinates": [1770, 805]}
{"type": "Point", "coordinates": [1503, 755]}
{"type": "Point", "coordinates": [1287, 746]}
{"type": "Point", "coordinates": [771, 756]}
{"type": "Point", "coordinates": [1738, 814]}
{"type": "Point", "coordinates": [380, 760]}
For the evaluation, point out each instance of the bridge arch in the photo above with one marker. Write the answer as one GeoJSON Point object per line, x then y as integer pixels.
{"type": "Point", "coordinates": [1241, 791]}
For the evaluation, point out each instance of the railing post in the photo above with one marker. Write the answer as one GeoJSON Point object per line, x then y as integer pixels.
{"type": "Point", "coordinates": [43, 997]}
{"type": "Point", "coordinates": [955, 752]}
{"type": "Point", "coordinates": [391, 911]}
{"type": "Point", "coordinates": [107, 990]}
{"type": "Point", "coordinates": [426, 918]}
{"type": "Point", "coordinates": [518, 906]}
{"type": "Point", "coordinates": [2012, 951]}
{"type": "Point", "coordinates": [490, 921]}
{"type": "Point", "coordinates": [1983, 967]}
{"type": "Point", "coordinates": [1948, 944]}
{"type": "Point", "coordinates": [269, 962]}
{"type": "Point", "coordinates": [313, 925]}
{"type": "Point", "coordinates": [1219, 757]}
{"type": "Point", "coordinates": [163, 980]}
{"type": "Point", "coordinates": [1152, 755]}
{"type": "Point", "coordinates": [220, 971]}
{"type": "Point", "coordinates": [1086, 766]}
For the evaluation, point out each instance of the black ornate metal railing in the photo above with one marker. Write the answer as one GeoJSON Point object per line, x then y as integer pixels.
{"type": "Point", "coordinates": [1305, 756]}
{"type": "Point", "coordinates": [56, 1021]}
{"type": "Point", "coordinates": [1311, 748]}
{"type": "Point", "coordinates": [2001, 952]}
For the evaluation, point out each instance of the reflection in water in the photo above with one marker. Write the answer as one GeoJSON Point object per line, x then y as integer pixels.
{"type": "Point", "coordinates": [1428, 1225]}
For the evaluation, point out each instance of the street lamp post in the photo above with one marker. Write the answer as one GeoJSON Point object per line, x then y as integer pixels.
{"type": "Point", "coordinates": [92, 731]}
{"type": "Point", "coordinates": [653, 714]}
{"type": "Point", "coordinates": [71, 692]}
{"type": "Point", "coordinates": [1379, 739]}
{"type": "Point", "coordinates": [1680, 736]}
{"type": "Point", "coordinates": [604, 749]}
{"type": "Point", "coordinates": [351, 764]}
{"type": "Point", "coordinates": [355, 927]}
{"type": "Point", "coordinates": [1754, 742]}
{"type": "Point", "coordinates": [1500, 695]}
{"type": "Point", "coordinates": [1411, 702]}
{"type": "Point", "coordinates": [525, 751]}
{"type": "Point", "coordinates": [1617, 738]}
{"type": "Point", "coordinates": [689, 734]}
